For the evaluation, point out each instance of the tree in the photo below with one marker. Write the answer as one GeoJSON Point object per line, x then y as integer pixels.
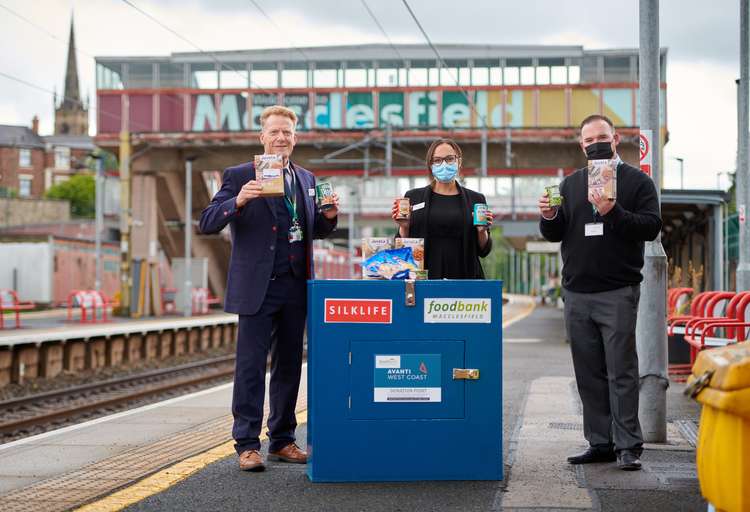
{"type": "Point", "coordinates": [80, 190]}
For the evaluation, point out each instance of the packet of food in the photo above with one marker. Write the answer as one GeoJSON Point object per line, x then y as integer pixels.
{"type": "Point", "coordinates": [417, 248]}
{"type": "Point", "coordinates": [390, 264]}
{"type": "Point", "coordinates": [269, 173]}
{"type": "Point", "coordinates": [603, 177]}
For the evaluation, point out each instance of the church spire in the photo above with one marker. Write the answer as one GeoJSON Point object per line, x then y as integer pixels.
{"type": "Point", "coordinates": [71, 116]}
{"type": "Point", "coordinates": [72, 99]}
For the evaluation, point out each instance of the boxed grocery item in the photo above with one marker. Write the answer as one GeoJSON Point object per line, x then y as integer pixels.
{"type": "Point", "coordinates": [417, 248]}
{"type": "Point", "coordinates": [269, 173]}
{"type": "Point", "coordinates": [603, 177]}
{"type": "Point", "coordinates": [390, 264]}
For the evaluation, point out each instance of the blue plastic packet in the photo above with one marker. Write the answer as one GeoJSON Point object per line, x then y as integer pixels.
{"type": "Point", "coordinates": [390, 264]}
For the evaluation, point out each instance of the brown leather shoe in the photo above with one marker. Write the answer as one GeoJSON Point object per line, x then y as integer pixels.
{"type": "Point", "coordinates": [290, 453]}
{"type": "Point", "coordinates": [251, 460]}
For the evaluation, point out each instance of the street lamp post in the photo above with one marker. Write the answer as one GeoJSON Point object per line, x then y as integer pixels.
{"type": "Point", "coordinates": [99, 215]}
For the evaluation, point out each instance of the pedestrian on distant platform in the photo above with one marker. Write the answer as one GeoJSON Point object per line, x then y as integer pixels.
{"type": "Point", "coordinates": [443, 214]}
{"type": "Point", "coordinates": [270, 263]}
{"type": "Point", "coordinates": [602, 250]}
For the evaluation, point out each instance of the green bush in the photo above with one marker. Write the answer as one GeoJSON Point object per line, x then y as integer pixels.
{"type": "Point", "coordinates": [80, 190]}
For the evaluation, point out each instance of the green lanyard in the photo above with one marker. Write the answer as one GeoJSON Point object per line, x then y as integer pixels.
{"type": "Point", "coordinates": [291, 204]}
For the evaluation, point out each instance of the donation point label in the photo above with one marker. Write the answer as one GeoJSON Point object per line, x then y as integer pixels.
{"type": "Point", "coordinates": [358, 311]}
{"type": "Point", "coordinates": [407, 378]}
{"type": "Point", "coordinates": [458, 311]}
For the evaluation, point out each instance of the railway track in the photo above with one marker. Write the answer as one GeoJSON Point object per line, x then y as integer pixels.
{"type": "Point", "coordinates": [49, 409]}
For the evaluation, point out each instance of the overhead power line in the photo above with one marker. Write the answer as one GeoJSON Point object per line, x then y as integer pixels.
{"type": "Point", "coordinates": [382, 30]}
{"type": "Point", "coordinates": [442, 64]}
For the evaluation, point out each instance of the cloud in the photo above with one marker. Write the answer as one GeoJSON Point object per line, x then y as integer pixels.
{"type": "Point", "coordinates": [702, 38]}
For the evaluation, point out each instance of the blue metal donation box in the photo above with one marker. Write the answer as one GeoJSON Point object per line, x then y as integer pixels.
{"type": "Point", "coordinates": [404, 380]}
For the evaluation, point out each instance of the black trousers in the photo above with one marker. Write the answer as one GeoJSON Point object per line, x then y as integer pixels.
{"type": "Point", "coordinates": [601, 330]}
{"type": "Point", "coordinates": [277, 327]}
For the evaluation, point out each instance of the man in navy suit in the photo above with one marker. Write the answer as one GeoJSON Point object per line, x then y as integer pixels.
{"type": "Point", "coordinates": [270, 263]}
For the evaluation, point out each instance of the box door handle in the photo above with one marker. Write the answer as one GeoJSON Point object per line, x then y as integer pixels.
{"type": "Point", "coordinates": [465, 374]}
{"type": "Point", "coordinates": [410, 297]}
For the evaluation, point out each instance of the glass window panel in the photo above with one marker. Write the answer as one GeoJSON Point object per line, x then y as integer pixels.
{"type": "Point", "coordinates": [617, 69]}
{"type": "Point", "coordinates": [448, 76]}
{"type": "Point", "coordinates": [417, 77]}
{"type": "Point", "coordinates": [387, 77]}
{"type": "Point", "coordinates": [404, 184]}
{"type": "Point", "coordinates": [527, 75]}
{"type": "Point", "coordinates": [559, 75]}
{"type": "Point", "coordinates": [294, 78]}
{"type": "Point", "coordinates": [574, 74]}
{"type": "Point", "coordinates": [542, 75]}
{"type": "Point", "coordinates": [472, 183]}
{"type": "Point", "coordinates": [324, 78]}
{"type": "Point", "coordinates": [487, 186]}
{"type": "Point", "coordinates": [24, 158]}
{"type": "Point", "coordinates": [24, 186]}
{"type": "Point", "coordinates": [503, 185]}
{"type": "Point", "coordinates": [140, 75]}
{"type": "Point", "coordinates": [356, 78]}
{"type": "Point", "coordinates": [171, 75]}
{"type": "Point", "coordinates": [402, 76]}
{"type": "Point", "coordinates": [264, 78]}
{"type": "Point", "coordinates": [421, 181]}
{"type": "Point", "coordinates": [62, 158]}
{"type": "Point", "coordinates": [511, 76]}
{"type": "Point", "coordinates": [203, 76]}
{"type": "Point", "coordinates": [233, 78]}
{"type": "Point", "coordinates": [496, 76]}
{"type": "Point", "coordinates": [434, 76]}
{"type": "Point", "coordinates": [464, 76]}
{"type": "Point", "coordinates": [480, 76]}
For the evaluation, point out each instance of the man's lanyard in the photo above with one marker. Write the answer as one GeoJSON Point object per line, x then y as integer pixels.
{"type": "Point", "coordinates": [291, 204]}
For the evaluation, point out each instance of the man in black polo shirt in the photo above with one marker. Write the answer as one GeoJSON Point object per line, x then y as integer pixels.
{"type": "Point", "coordinates": [602, 251]}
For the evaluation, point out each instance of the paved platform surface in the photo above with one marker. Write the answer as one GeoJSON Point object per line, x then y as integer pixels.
{"type": "Point", "coordinates": [542, 425]}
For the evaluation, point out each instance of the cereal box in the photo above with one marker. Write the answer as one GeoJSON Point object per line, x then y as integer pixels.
{"type": "Point", "coordinates": [269, 173]}
{"type": "Point", "coordinates": [603, 177]}
{"type": "Point", "coordinates": [417, 248]}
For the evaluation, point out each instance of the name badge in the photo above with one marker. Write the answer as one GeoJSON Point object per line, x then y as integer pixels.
{"type": "Point", "coordinates": [311, 192]}
{"type": "Point", "coordinates": [418, 206]}
{"type": "Point", "coordinates": [594, 229]}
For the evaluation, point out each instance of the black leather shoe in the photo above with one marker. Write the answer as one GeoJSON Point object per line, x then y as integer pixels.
{"type": "Point", "coordinates": [593, 455]}
{"type": "Point", "coordinates": [628, 461]}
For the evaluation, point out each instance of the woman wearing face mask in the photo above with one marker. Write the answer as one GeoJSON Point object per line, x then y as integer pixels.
{"type": "Point", "coordinates": [442, 214]}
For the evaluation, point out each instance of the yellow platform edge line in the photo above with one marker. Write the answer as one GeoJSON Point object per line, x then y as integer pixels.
{"type": "Point", "coordinates": [167, 477]}
{"type": "Point", "coordinates": [530, 306]}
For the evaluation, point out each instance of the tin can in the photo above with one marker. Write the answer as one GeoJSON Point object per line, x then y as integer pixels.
{"type": "Point", "coordinates": [404, 208]}
{"type": "Point", "coordinates": [480, 214]}
{"type": "Point", "coordinates": [553, 192]}
{"type": "Point", "coordinates": [420, 275]}
{"type": "Point", "coordinates": [324, 195]}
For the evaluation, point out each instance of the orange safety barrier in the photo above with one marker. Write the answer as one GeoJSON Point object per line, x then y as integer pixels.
{"type": "Point", "coordinates": [697, 310]}
{"type": "Point", "coordinates": [9, 302]}
{"type": "Point", "coordinates": [734, 324]}
{"type": "Point", "coordinates": [673, 300]}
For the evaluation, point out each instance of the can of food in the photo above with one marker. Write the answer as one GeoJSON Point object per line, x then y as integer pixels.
{"type": "Point", "coordinates": [324, 195]}
{"type": "Point", "coordinates": [553, 192]}
{"type": "Point", "coordinates": [480, 214]}
{"type": "Point", "coordinates": [420, 275]}
{"type": "Point", "coordinates": [404, 208]}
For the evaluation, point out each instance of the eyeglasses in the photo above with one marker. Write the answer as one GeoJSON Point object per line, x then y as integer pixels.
{"type": "Point", "coordinates": [450, 159]}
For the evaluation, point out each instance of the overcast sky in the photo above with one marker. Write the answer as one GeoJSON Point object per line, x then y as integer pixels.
{"type": "Point", "coordinates": [702, 39]}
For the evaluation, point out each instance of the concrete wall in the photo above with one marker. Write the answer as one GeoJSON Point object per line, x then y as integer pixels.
{"type": "Point", "coordinates": [16, 212]}
{"type": "Point", "coordinates": [31, 262]}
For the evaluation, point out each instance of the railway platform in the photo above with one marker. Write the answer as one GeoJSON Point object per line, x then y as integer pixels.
{"type": "Point", "coordinates": [178, 455]}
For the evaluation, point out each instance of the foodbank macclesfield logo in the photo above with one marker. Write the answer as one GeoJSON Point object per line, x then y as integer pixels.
{"type": "Point", "coordinates": [462, 311]}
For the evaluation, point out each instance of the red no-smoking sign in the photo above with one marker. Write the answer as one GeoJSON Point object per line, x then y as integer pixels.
{"type": "Point", "coordinates": [645, 148]}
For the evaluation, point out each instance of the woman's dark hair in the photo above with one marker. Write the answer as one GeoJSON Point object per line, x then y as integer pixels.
{"type": "Point", "coordinates": [434, 146]}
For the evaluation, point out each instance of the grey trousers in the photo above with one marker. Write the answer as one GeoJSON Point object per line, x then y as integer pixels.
{"type": "Point", "coordinates": [601, 330]}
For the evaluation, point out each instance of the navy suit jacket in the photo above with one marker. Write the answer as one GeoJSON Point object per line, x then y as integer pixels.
{"type": "Point", "coordinates": [253, 230]}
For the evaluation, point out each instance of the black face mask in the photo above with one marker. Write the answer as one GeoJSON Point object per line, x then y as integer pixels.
{"type": "Point", "coordinates": [599, 151]}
